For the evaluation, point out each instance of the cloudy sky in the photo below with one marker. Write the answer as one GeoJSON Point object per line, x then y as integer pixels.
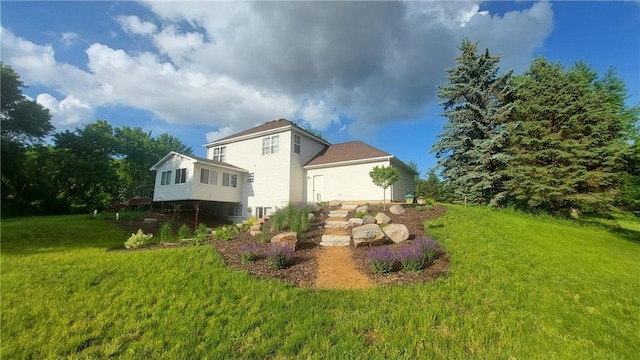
{"type": "Point", "coordinates": [353, 70]}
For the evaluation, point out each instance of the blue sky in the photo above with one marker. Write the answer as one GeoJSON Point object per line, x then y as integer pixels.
{"type": "Point", "coordinates": [353, 70]}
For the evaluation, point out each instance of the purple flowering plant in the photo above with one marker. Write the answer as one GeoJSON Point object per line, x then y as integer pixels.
{"type": "Point", "coordinates": [382, 259]}
{"type": "Point", "coordinates": [280, 256]}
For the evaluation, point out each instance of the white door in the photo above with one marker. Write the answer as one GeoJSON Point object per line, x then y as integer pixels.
{"type": "Point", "coordinates": [318, 188]}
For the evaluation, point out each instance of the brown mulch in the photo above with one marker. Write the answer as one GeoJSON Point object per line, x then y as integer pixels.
{"type": "Point", "coordinates": [303, 271]}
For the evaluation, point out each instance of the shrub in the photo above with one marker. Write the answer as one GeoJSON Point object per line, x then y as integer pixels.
{"type": "Point", "coordinates": [202, 234]}
{"type": "Point", "coordinates": [428, 247]}
{"type": "Point", "coordinates": [382, 259]}
{"type": "Point", "coordinates": [138, 239]}
{"type": "Point", "coordinates": [280, 256]}
{"type": "Point", "coordinates": [249, 253]}
{"type": "Point", "coordinates": [166, 233]}
{"type": "Point", "coordinates": [430, 202]}
{"type": "Point", "coordinates": [292, 217]}
{"type": "Point", "coordinates": [418, 208]}
{"type": "Point", "coordinates": [412, 258]}
{"type": "Point", "coordinates": [184, 232]}
{"type": "Point", "coordinates": [252, 220]}
{"type": "Point", "coordinates": [225, 232]}
{"type": "Point", "coordinates": [264, 236]}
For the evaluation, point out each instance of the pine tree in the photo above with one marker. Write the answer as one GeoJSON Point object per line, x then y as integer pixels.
{"type": "Point", "coordinates": [472, 148]}
{"type": "Point", "coordinates": [569, 148]}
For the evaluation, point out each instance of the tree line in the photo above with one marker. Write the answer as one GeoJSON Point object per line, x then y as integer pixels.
{"type": "Point", "coordinates": [552, 139]}
{"type": "Point", "coordinates": [93, 167]}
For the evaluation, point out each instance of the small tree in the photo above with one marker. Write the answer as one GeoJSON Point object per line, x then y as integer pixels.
{"type": "Point", "coordinates": [384, 176]}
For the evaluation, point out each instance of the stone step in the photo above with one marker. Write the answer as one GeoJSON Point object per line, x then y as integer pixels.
{"type": "Point", "coordinates": [333, 224]}
{"type": "Point", "coordinates": [349, 206]}
{"type": "Point", "coordinates": [335, 240]}
{"type": "Point", "coordinates": [339, 213]}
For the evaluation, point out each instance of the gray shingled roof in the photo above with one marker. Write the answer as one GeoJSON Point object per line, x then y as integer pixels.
{"type": "Point", "coordinates": [214, 162]}
{"type": "Point", "coordinates": [349, 151]}
{"type": "Point", "coordinates": [274, 124]}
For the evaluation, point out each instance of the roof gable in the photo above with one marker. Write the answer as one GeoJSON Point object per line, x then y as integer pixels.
{"type": "Point", "coordinates": [268, 126]}
{"type": "Point", "coordinates": [195, 159]}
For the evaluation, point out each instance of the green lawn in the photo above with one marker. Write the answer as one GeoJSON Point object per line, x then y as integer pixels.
{"type": "Point", "coordinates": [520, 287]}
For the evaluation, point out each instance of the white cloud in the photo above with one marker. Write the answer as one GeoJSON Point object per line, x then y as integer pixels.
{"type": "Point", "coordinates": [66, 113]}
{"type": "Point", "coordinates": [69, 38]}
{"type": "Point", "coordinates": [133, 25]}
{"type": "Point", "coordinates": [233, 65]}
{"type": "Point", "coordinates": [220, 133]}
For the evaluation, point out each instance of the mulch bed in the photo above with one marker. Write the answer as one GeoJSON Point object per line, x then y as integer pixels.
{"type": "Point", "coordinates": [303, 270]}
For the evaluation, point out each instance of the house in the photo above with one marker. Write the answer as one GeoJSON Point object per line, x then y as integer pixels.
{"type": "Point", "coordinates": [256, 171]}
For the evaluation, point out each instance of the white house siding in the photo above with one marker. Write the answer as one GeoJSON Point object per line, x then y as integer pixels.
{"type": "Point", "coordinates": [210, 192]}
{"type": "Point", "coordinates": [404, 185]}
{"type": "Point", "coordinates": [308, 149]}
{"type": "Point", "coordinates": [347, 183]}
{"type": "Point", "coordinates": [271, 172]}
{"type": "Point", "coordinates": [173, 191]}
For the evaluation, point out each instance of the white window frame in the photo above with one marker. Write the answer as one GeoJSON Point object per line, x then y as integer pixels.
{"type": "Point", "coordinates": [220, 153]}
{"type": "Point", "coordinates": [211, 177]}
{"type": "Point", "coordinates": [297, 144]}
{"type": "Point", "coordinates": [181, 176]}
{"type": "Point", "coordinates": [270, 144]}
{"type": "Point", "coordinates": [165, 178]}
{"type": "Point", "coordinates": [229, 180]}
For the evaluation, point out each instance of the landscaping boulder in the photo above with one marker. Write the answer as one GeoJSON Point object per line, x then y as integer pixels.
{"type": "Point", "coordinates": [288, 238]}
{"type": "Point", "coordinates": [362, 209]}
{"type": "Point", "coordinates": [369, 234]}
{"type": "Point", "coordinates": [396, 232]}
{"type": "Point", "coordinates": [335, 203]}
{"type": "Point", "coordinates": [353, 222]}
{"type": "Point", "coordinates": [397, 209]}
{"type": "Point", "coordinates": [368, 219]}
{"type": "Point", "coordinates": [255, 233]}
{"type": "Point", "coordinates": [314, 207]}
{"type": "Point", "coordinates": [382, 218]}
{"type": "Point", "coordinates": [311, 217]}
{"type": "Point", "coordinates": [255, 227]}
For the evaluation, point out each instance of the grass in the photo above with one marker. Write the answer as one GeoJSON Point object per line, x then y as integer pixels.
{"type": "Point", "coordinates": [519, 286]}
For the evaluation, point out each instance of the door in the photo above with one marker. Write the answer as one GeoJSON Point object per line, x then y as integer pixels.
{"type": "Point", "coordinates": [259, 212]}
{"type": "Point", "coordinates": [318, 188]}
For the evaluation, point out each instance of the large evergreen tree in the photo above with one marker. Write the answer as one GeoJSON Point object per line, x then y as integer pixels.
{"type": "Point", "coordinates": [570, 147]}
{"type": "Point", "coordinates": [472, 148]}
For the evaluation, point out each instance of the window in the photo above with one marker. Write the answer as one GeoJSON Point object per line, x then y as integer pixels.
{"type": "Point", "coordinates": [234, 210]}
{"type": "Point", "coordinates": [220, 153]}
{"type": "Point", "coordinates": [296, 144]}
{"type": "Point", "coordinates": [270, 144]}
{"type": "Point", "coordinates": [250, 177]}
{"type": "Point", "coordinates": [181, 176]}
{"type": "Point", "coordinates": [229, 180]}
{"type": "Point", "coordinates": [208, 177]}
{"type": "Point", "coordinates": [166, 178]}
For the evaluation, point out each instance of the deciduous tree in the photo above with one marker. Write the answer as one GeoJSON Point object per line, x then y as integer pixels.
{"type": "Point", "coordinates": [384, 176]}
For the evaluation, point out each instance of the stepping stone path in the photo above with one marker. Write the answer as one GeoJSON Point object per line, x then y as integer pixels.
{"type": "Point", "coordinates": [337, 270]}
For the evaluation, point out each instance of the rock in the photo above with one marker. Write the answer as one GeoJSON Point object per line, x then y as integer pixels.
{"type": "Point", "coordinates": [368, 219]}
{"type": "Point", "coordinates": [240, 225]}
{"type": "Point", "coordinates": [362, 209]}
{"type": "Point", "coordinates": [150, 220]}
{"type": "Point", "coordinates": [261, 221]}
{"type": "Point", "coordinates": [255, 233]}
{"type": "Point", "coordinates": [349, 206]}
{"type": "Point", "coordinates": [335, 203]}
{"type": "Point", "coordinates": [255, 227]}
{"type": "Point", "coordinates": [336, 224]}
{"type": "Point", "coordinates": [382, 218]}
{"type": "Point", "coordinates": [370, 234]}
{"type": "Point", "coordinates": [338, 213]}
{"type": "Point", "coordinates": [314, 207]}
{"type": "Point", "coordinates": [311, 217]}
{"type": "Point", "coordinates": [353, 222]}
{"type": "Point", "coordinates": [288, 238]}
{"type": "Point", "coordinates": [335, 240]}
{"type": "Point", "coordinates": [396, 232]}
{"type": "Point", "coordinates": [397, 209]}
{"type": "Point", "coordinates": [266, 217]}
